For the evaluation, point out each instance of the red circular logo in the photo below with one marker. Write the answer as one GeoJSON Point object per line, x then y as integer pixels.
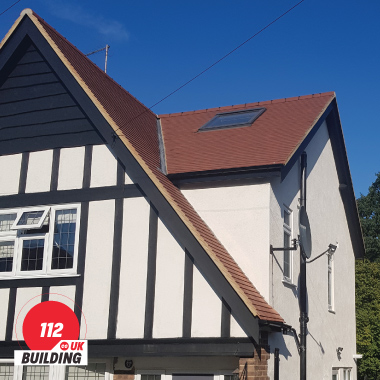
{"type": "Point", "coordinates": [64, 346]}
{"type": "Point", "coordinates": [47, 323]}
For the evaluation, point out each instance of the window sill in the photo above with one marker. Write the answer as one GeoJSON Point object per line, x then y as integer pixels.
{"type": "Point", "coordinates": [289, 283]}
{"type": "Point", "coordinates": [331, 311]}
{"type": "Point", "coordinates": [30, 277]}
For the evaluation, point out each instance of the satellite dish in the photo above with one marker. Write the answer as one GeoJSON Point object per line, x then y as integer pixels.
{"type": "Point", "coordinates": [305, 235]}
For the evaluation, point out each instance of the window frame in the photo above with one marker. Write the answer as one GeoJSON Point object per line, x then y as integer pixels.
{"type": "Point", "coordinates": [10, 238]}
{"type": "Point", "coordinates": [288, 230]}
{"type": "Point", "coordinates": [10, 231]}
{"type": "Point", "coordinates": [51, 239]}
{"type": "Point", "coordinates": [38, 225]}
{"type": "Point", "coordinates": [18, 254]}
{"type": "Point", "coordinates": [256, 113]}
{"type": "Point", "coordinates": [18, 237]}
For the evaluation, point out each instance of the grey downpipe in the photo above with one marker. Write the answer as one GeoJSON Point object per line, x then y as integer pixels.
{"type": "Point", "coordinates": [304, 319]}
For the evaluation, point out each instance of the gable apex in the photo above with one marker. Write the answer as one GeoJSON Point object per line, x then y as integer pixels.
{"type": "Point", "coordinates": [130, 129]}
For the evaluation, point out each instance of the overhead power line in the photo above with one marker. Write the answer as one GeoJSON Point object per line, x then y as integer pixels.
{"type": "Point", "coordinates": [10, 7]}
{"type": "Point", "coordinates": [215, 63]}
{"type": "Point", "coordinates": [228, 54]}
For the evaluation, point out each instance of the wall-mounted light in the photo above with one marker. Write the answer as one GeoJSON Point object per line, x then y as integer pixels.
{"type": "Point", "coordinates": [330, 250]}
{"type": "Point", "coordinates": [339, 352]}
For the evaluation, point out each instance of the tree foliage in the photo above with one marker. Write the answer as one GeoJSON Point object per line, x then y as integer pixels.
{"type": "Point", "coordinates": [368, 285]}
{"type": "Point", "coordinates": [369, 212]}
{"type": "Point", "coordinates": [368, 318]}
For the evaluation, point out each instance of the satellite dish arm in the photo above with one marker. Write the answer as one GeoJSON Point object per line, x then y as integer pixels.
{"type": "Point", "coordinates": [315, 258]}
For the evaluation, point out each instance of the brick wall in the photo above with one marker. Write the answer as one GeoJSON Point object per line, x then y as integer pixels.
{"type": "Point", "coordinates": [123, 376]}
{"type": "Point", "coordinates": [256, 368]}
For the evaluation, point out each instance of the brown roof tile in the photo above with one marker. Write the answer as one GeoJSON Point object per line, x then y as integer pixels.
{"type": "Point", "coordinates": [270, 140]}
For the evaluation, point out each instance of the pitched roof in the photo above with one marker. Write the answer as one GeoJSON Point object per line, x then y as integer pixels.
{"type": "Point", "coordinates": [270, 140]}
{"type": "Point", "coordinates": [136, 126]}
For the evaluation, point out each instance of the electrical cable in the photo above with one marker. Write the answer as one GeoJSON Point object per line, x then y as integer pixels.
{"type": "Point", "coordinates": [10, 7]}
{"type": "Point", "coordinates": [214, 64]}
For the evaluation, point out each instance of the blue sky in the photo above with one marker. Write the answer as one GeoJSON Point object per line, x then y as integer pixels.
{"type": "Point", "coordinates": [156, 46]}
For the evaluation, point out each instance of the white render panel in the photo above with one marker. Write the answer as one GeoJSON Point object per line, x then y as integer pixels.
{"type": "Point", "coordinates": [4, 297]}
{"type": "Point", "coordinates": [63, 294]}
{"type": "Point", "coordinates": [239, 217]}
{"type": "Point", "coordinates": [236, 330]}
{"type": "Point", "coordinates": [133, 269]}
{"type": "Point", "coordinates": [39, 171]}
{"type": "Point", "coordinates": [328, 224]}
{"type": "Point", "coordinates": [10, 167]}
{"type": "Point", "coordinates": [168, 304]}
{"type": "Point", "coordinates": [97, 279]}
{"type": "Point", "coordinates": [71, 163]}
{"type": "Point", "coordinates": [207, 309]}
{"type": "Point", "coordinates": [103, 167]}
{"type": "Point", "coordinates": [26, 298]}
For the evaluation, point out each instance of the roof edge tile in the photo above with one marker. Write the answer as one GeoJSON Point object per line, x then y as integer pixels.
{"type": "Point", "coordinates": [250, 105]}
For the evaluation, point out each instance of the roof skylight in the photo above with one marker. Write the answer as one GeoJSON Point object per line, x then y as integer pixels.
{"type": "Point", "coordinates": [232, 119]}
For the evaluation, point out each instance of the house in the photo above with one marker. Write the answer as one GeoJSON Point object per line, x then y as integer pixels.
{"type": "Point", "coordinates": [157, 230]}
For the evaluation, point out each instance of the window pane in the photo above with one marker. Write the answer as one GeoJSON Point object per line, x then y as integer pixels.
{"type": "Point", "coordinates": [286, 218]}
{"type": "Point", "coordinates": [64, 239]}
{"type": "Point", "coordinates": [6, 255]}
{"type": "Point", "coordinates": [6, 371]}
{"type": "Point", "coordinates": [242, 118]}
{"type": "Point", "coordinates": [32, 254]}
{"type": "Point", "coordinates": [35, 372]}
{"type": "Point", "coordinates": [6, 221]}
{"type": "Point", "coordinates": [286, 256]}
{"type": "Point", "coordinates": [30, 218]}
{"type": "Point", "coordinates": [44, 229]}
{"type": "Point", "coordinates": [91, 371]}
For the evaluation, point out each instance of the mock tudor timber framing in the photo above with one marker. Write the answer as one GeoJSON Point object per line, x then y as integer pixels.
{"type": "Point", "coordinates": [168, 215]}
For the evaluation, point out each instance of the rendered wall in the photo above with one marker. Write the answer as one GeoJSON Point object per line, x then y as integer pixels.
{"type": "Point", "coordinates": [239, 217]}
{"type": "Point", "coordinates": [326, 330]}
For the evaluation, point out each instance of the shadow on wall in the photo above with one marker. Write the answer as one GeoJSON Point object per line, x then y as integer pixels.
{"type": "Point", "coordinates": [319, 344]}
{"type": "Point", "coordinates": [281, 345]}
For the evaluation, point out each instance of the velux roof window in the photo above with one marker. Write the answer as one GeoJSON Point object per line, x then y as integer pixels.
{"type": "Point", "coordinates": [232, 119]}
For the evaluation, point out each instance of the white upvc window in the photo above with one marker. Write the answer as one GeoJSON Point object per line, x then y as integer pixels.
{"type": "Point", "coordinates": [39, 241]}
{"type": "Point", "coordinates": [346, 373]}
{"type": "Point", "coordinates": [288, 254]}
{"type": "Point", "coordinates": [6, 371]}
{"type": "Point", "coordinates": [31, 218]}
{"type": "Point", "coordinates": [330, 282]}
{"type": "Point", "coordinates": [40, 372]}
{"type": "Point", "coordinates": [341, 373]}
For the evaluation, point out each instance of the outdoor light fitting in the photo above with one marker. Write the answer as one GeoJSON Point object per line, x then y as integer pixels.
{"type": "Point", "coordinates": [330, 250]}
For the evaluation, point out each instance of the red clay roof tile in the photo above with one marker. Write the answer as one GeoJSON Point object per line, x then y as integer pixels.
{"type": "Point", "coordinates": [271, 139]}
